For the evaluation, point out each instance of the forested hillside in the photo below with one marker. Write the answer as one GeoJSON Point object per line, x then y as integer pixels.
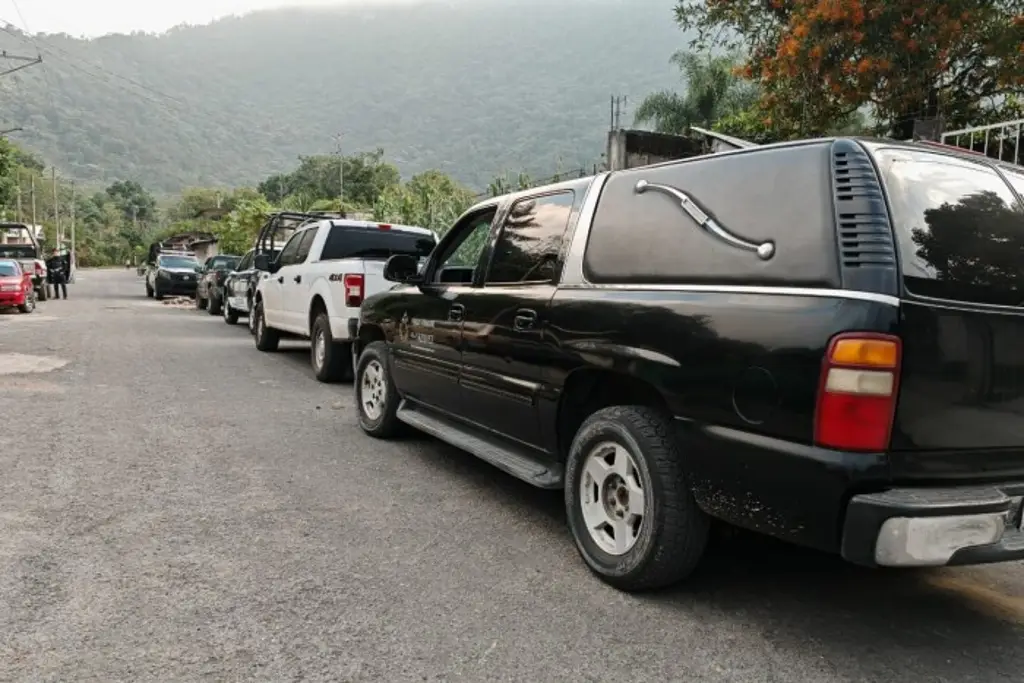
{"type": "Point", "coordinates": [472, 88]}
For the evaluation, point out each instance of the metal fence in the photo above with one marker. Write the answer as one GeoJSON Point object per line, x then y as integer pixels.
{"type": "Point", "coordinates": [997, 140]}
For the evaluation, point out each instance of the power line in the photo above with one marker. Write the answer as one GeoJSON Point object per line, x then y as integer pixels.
{"type": "Point", "coordinates": [70, 60]}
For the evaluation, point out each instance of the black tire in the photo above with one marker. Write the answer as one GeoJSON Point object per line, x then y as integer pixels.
{"type": "Point", "coordinates": [30, 303]}
{"type": "Point", "coordinates": [230, 314]}
{"type": "Point", "coordinates": [336, 365]}
{"type": "Point", "coordinates": [41, 294]}
{"type": "Point", "coordinates": [267, 338]}
{"type": "Point", "coordinates": [251, 318]}
{"type": "Point", "coordinates": [214, 305]}
{"type": "Point", "coordinates": [149, 291]}
{"type": "Point", "coordinates": [157, 294]}
{"type": "Point", "coordinates": [385, 425]}
{"type": "Point", "coordinates": [674, 530]}
{"type": "Point", "coordinates": [200, 303]}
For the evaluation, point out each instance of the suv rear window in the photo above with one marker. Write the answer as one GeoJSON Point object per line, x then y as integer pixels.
{"type": "Point", "coordinates": [224, 262]}
{"type": "Point", "coordinates": [374, 243]}
{"type": "Point", "coordinates": [959, 228]}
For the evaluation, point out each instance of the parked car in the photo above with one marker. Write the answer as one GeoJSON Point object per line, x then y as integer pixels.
{"type": "Point", "coordinates": [240, 287]}
{"type": "Point", "coordinates": [816, 340]}
{"type": "Point", "coordinates": [210, 288]}
{"type": "Point", "coordinates": [16, 290]}
{"type": "Point", "coordinates": [29, 254]}
{"type": "Point", "coordinates": [315, 286]}
{"type": "Point", "coordinates": [172, 273]}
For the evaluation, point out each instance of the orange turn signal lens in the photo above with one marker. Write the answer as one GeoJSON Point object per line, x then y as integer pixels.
{"type": "Point", "coordinates": [876, 353]}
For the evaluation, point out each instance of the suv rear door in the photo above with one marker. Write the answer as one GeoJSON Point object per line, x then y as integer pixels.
{"type": "Point", "coordinates": [960, 233]}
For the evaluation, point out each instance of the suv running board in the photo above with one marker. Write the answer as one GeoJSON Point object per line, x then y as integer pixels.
{"type": "Point", "coordinates": [517, 461]}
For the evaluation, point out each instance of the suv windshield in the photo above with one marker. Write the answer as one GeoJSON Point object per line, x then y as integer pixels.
{"type": "Point", "coordinates": [959, 227]}
{"type": "Point", "coordinates": [8, 269]}
{"type": "Point", "coordinates": [177, 262]}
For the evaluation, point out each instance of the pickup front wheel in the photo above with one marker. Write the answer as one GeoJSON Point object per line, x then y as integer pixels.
{"type": "Point", "coordinates": [267, 338]}
{"type": "Point", "coordinates": [331, 361]}
{"type": "Point", "coordinates": [629, 505]}
{"type": "Point", "coordinates": [376, 396]}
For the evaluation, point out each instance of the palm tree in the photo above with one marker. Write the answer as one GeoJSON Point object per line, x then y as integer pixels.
{"type": "Point", "coordinates": [713, 91]}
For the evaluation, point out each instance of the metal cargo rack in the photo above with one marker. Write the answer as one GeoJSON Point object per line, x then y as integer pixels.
{"type": "Point", "coordinates": [282, 224]}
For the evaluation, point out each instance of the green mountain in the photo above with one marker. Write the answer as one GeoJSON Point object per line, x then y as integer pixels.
{"type": "Point", "coordinates": [472, 87]}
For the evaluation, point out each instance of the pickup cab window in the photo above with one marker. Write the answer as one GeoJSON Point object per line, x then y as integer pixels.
{"type": "Point", "coordinates": [304, 245]}
{"type": "Point", "coordinates": [289, 255]}
{"type": "Point", "coordinates": [531, 239]}
{"type": "Point", "coordinates": [345, 242]}
{"type": "Point", "coordinates": [246, 262]}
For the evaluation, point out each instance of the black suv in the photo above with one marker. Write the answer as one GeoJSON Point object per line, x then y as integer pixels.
{"type": "Point", "coordinates": [817, 340]}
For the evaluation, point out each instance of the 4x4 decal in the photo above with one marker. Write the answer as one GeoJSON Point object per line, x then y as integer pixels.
{"type": "Point", "coordinates": [764, 250]}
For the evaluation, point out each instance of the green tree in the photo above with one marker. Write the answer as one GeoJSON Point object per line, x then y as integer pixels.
{"type": "Point", "coordinates": [366, 177]}
{"type": "Point", "coordinates": [238, 230]}
{"type": "Point", "coordinates": [819, 61]}
{"type": "Point", "coordinates": [134, 201]}
{"type": "Point", "coordinates": [713, 91]}
{"type": "Point", "coordinates": [430, 199]}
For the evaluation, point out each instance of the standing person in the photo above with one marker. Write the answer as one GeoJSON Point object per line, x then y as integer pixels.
{"type": "Point", "coordinates": [57, 274]}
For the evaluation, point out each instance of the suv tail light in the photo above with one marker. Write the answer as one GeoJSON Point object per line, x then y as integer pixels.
{"type": "Point", "coordinates": [858, 390]}
{"type": "Point", "coordinates": [39, 269]}
{"type": "Point", "coordinates": [353, 289]}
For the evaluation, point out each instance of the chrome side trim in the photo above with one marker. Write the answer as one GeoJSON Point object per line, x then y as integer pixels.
{"type": "Point", "coordinates": [745, 289]}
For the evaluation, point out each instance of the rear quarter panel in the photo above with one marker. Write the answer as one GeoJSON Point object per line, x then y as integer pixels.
{"type": "Point", "coordinates": [740, 374]}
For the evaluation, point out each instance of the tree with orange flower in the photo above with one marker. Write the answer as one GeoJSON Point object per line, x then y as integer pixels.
{"type": "Point", "coordinates": [817, 61]}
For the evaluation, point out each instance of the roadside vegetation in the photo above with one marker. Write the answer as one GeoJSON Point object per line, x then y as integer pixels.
{"type": "Point", "coordinates": [766, 72]}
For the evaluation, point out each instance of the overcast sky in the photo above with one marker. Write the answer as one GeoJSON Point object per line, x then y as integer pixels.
{"type": "Point", "coordinates": [97, 17]}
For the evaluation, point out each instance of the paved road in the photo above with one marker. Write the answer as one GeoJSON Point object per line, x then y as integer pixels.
{"type": "Point", "coordinates": [176, 506]}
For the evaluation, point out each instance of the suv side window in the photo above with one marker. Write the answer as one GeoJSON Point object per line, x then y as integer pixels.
{"type": "Point", "coordinates": [959, 227]}
{"type": "Point", "coordinates": [304, 245]}
{"type": "Point", "coordinates": [460, 258]}
{"type": "Point", "coordinates": [530, 242]}
{"type": "Point", "coordinates": [288, 255]}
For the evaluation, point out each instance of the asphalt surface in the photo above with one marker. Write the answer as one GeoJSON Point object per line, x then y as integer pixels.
{"type": "Point", "coordinates": [176, 506]}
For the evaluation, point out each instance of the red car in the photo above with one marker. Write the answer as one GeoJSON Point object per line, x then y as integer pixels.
{"type": "Point", "coordinates": [16, 287]}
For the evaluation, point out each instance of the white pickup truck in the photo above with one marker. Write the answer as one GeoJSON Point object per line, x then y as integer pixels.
{"type": "Point", "coordinates": [315, 285]}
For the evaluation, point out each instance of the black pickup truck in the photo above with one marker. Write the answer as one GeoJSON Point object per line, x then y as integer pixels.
{"type": "Point", "coordinates": [816, 340]}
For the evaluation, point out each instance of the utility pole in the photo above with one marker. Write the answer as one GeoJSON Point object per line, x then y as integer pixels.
{"type": "Point", "coordinates": [32, 179]}
{"type": "Point", "coordinates": [19, 196]}
{"type": "Point", "coordinates": [617, 103]}
{"type": "Point", "coordinates": [56, 207]}
{"type": "Point", "coordinates": [341, 173]}
{"type": "Point", "coordinates": [73, 258]}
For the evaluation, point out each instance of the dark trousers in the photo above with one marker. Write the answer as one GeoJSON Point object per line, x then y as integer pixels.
{"type": "Point", "coordinates": [60, 284]}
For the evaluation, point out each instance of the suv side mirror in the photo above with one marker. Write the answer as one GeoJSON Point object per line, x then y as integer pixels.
{"type": "Point", "coordinates": [402, 268]}
{"type": "Point", "coordinates": [261, 262]}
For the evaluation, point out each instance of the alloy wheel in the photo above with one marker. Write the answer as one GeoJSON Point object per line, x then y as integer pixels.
{"type": "Point", "coordinates": [612, 498]}
{"type": "Point", "coordinates": [373, 390]}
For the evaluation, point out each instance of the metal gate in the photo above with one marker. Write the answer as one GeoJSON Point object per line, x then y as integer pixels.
{"type": "Point", "coordinates": [997, 140]}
